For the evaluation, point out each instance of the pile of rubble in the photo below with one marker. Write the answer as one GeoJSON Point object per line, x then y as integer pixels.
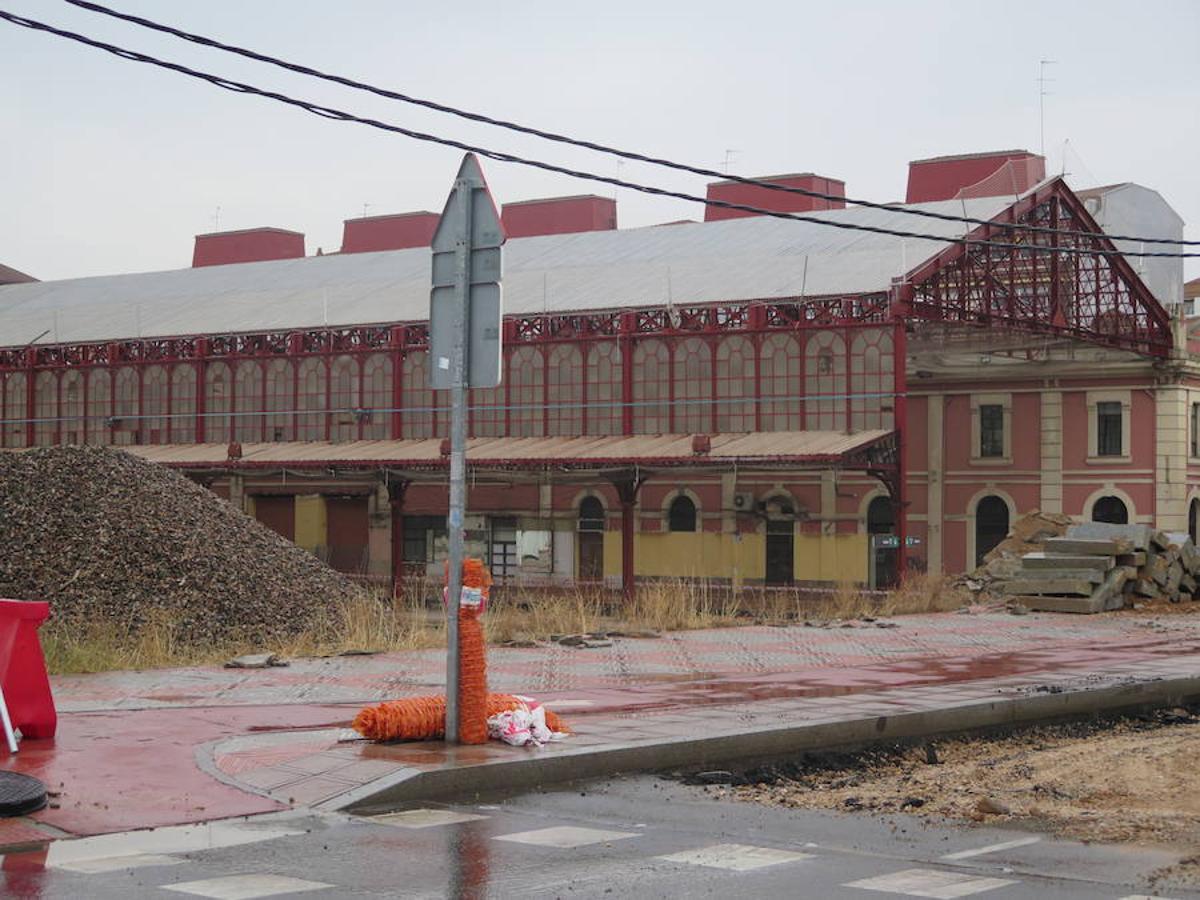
{"type": "Point", "coordinates": [108, 538]}
{"type": "Point", "coordinates": [1095, 567]}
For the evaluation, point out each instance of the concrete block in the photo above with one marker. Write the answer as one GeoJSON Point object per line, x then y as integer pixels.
{"type": "Point", "coordinates": [1157, 568]}
{"type": "Point", "coordinates": [1088, 546]}
{"type": "Point", "coordinates": [1187, 583]}
{"type": "Point", "coordinates": [1095, 576]}
{"type": "Point", "coordinates": [1111, 593]}
{"type": "Point", "coordinates": [1039, 560]}
{"type": "Point", "coordinates": [1145, 587]}
{"type": "Point", "coordinates": [1137, 559]}
{"type": "Point", "coordinates": [1062, 604]}
{"type": "Point", "coordinates": [1042, 586]}
{"type": "Point", "coordinates": [1174, 577]}
{"type": "Point", "coordinates": [1141, 536]}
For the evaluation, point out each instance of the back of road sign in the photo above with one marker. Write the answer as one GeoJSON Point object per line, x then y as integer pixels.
{"type": "Point", "coordinates": [484, 307]}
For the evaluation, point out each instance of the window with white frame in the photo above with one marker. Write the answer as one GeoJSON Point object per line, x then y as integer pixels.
{"type": "Point", "coordinates": [991, 428]}
{"type": "Point", "coordinates": [1108, 426]}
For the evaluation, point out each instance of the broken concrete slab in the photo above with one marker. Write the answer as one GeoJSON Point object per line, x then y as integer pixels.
{"type": "Point", "coordinates": [1041, 560]}
{"type": "Point", "coordinates": [1111, 593]}
{"type": "Point", "coordinates": [1137, 559]}
{"type": "Point", "coordinates": [1043, 586]}
{"type": "Point", "coordinates": [256, 661]}
{"type": "Point", "coordinates": [1089, 546]}
{"type": "Point", "coordinates": [1083, 605]}
{"type": "Point", "coordinates": [1093, 575]}
{"type": "Point", "coordinates": [1143, 537]}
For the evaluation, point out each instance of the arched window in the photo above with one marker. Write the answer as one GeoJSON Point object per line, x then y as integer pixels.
{"type": "Point", "coordinates": [991, 526]}
{"type": "Point", "coordinates": [525, 369]}
{"type": "Point", "coordinates": [377, 397]}
{"type": "Point", "coordinates": [604, 414]}
{"type": "Point", "coordinates": [45, 408]}
{"type": "Point", "coordinates": [1111, 510]}
{"type": "Point", "coordinates": [99, 406]}
{"type": "Point", "coordinates": [417, 398]}
{"type": "Point", "coordinates": [280, 389]}
{"type": "Point", "coordinates": [248, 424]}
{"type": "Point", "coordinates": [651, 390]}
{"type": "Point", "coordinates": [310, 426]}
{"type": "Point", "coordinates": [825, 367]}
{"type": "Point", "coordinates": [218, 390]}
{"type": "Point", "coordinates": [14, 409]}
{"type": "Point", "coordinates": [72, 408]}
{"type": "Point", "coordinates": [681, 516]}
{"type": "Point", "coordinates": [183, 404]}
{"type": "Point", "coordinates": [881, 517]}
{"type": "Point", "coordinates": [782, 383]}
{"type": "Point", "coordinates": [154, 406]}
{"type": "Point", "coordinates": [343, 399]}
{"type": "Point", "coordinates": [735, 385]}
{"type": "Point", "coordinates": [125, 406]}
{"type": "Point", "coordinates": [566, 390]}
{"type": "Point", "coordinates": [693, 387]}
{"type": "Point", "coordinates": [591, 514]}
{"type": "Point", "coordinates": [872, 380]}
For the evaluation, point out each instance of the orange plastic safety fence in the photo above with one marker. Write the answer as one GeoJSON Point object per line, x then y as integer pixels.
{"type": "Point", "coordinates": [424, 718]}
{"type": "Point", "coordinates": [472, 679]}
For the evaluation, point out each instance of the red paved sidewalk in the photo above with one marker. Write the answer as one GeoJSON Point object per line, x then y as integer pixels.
{"type": "Point", "coordinates": [139, 749]}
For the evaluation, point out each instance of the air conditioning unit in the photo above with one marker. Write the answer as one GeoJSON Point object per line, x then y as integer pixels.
{"type": "Point", "coordinates": [743, 502]}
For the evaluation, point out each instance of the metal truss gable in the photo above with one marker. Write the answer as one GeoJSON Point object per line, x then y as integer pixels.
{"type": "Point", "coordinates": [1092, 295]}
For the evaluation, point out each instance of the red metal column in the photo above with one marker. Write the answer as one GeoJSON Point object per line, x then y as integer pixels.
{"type": "Point", "coordinates": [626, 345]}
{"type": "Point", "coordinates": [201, 391]}
{"type": "Point", "coordinates": [627, 491]}
{"type": "Point", "coordinates": [397, 419]}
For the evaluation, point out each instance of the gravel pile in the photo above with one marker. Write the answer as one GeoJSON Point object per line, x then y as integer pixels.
{"type": "Point", "coordinates": [105, 536]}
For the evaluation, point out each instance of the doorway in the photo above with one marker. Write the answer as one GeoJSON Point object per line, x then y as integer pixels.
{"type": "Point", "coordinates": [278, 514]}
{"type": "Point", "coordinates": [881, 522]}
{"type": "Point", "coordinates": [590, 539]}
{"type": "Point", "coordinates": [991, 526]}
{"type": "Point", "coordinates": [781, 542]}
{"type": "Point", "coordinates": [346, 528]}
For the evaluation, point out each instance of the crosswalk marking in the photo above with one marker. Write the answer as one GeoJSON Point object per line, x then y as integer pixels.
{"type": "Point", "coordinates": [930, 883]}
{"type": "Point", "coordinates": [565, 837]}
{"type": "Point", "coordinates": [246, 887]}
{"type": "Point", "coordinates": [425, 818]}
{"type": "Point", "coordinates": [737, 857]}
{"type": "Point", "coordinates": [992, 848]}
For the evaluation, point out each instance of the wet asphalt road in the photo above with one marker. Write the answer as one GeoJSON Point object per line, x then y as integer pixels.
{"type": "Point", "coordinates": [635, 837]}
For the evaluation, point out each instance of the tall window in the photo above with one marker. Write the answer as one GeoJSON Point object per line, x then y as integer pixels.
{"type": "Point", "coordinates": [682, 514]}
{"type": "Point", "coordinates": [693, 387]}
{"type": "Point", "coordinates": [991, 430]}
{"type": "Point", "coordinates": [651, 388]}
{"type": "Point", "coordinates": [1108, 429]}
{"type": "Point", "coordinates": [183, 404]}
{"type": "Point", "coordinates": [1196, 429]}
{"type": "Point", "coordinates": [604, 414]}
{"type": "Point", "coordinates": [735, 385]}
{"type": "Point", "coordinates": [566, 390]}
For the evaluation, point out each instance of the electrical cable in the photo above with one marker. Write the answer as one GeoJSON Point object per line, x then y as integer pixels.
{"type": "Point", "coordinates": [500, 156]}
{"type": "Point", "coordinates": [631, 155]}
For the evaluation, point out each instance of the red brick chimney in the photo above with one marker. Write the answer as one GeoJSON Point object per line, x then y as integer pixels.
{"type": "Point", "coordinates": [996, 173]}
{"type": "Point", "coordinates": [559, 215]}
{"type": "Point", "coordinates": [399, 231]}
{"type": "Point", "coordinates": [251, 245]}
{"type": "Point", "coordinates": [776, 201]}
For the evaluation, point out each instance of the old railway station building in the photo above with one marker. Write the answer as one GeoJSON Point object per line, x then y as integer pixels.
{"type": "Point", "coordinates": [746, 399]}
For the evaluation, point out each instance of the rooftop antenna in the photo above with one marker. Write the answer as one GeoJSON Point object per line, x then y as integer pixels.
{"type": "Point", "coordinates": [729, 155]}
{"type": "Point", "coordinates": [217, 219]}
{"type": "Point", "coordinates": [366, 206]}
{"type": "Point", "coordinates": [1042, 95]}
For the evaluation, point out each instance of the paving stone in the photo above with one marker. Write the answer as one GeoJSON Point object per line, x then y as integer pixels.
{"type": "Point", "coordinates": [735, 857]}
{"type": "Point", "coordinates": [931, 883]}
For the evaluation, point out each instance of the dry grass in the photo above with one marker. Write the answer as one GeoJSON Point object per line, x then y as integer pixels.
{"type": "Point", "coordinates": [372, 622]}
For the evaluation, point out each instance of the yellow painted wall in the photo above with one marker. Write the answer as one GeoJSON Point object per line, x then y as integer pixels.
{"type": "Point", "coordinates": [832, 558]}
{"type": "Point", "coordinates": [311, 524]}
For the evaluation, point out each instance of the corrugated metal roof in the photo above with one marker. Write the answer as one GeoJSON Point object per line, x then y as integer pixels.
{"type": "Point", "coordinates": [536, 452]}
{"type": "Point", "coordinates": [735, 259]}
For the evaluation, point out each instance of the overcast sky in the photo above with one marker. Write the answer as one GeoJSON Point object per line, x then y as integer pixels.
{"type": "Point", "coordinates": [110, 166]}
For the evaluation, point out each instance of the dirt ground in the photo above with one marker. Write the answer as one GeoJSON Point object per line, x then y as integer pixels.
{"type": "Point", "coordinates": [1130, 781]}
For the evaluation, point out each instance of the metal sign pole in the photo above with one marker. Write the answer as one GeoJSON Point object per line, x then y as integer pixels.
{"type": "Point", "coordinates": [458, 448]}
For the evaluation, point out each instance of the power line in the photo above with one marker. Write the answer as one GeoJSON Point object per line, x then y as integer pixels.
{"type": "Point", "coordinates": [327, 112]}
{"type": "Point", "coordinates": [635, 156]}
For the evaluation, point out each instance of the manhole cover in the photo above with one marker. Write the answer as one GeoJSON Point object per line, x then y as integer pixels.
{"type": "Point", "coordinates": [20, 794]}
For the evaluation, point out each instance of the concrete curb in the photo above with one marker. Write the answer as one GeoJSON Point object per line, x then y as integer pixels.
{"type": "Point", "coordinates": [756, 743]}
